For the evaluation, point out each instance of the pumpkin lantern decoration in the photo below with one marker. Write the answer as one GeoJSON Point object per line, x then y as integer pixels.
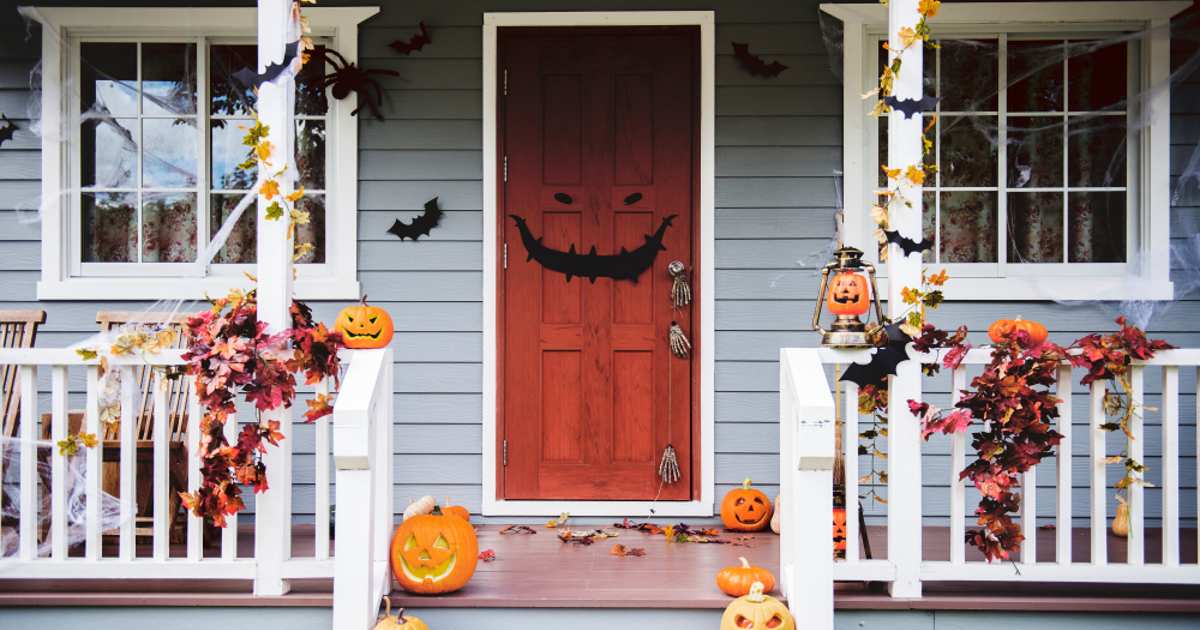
{"type": "Point", "coordinates": [364, 326]}
{"type": "Point", "coordinates": [1005, 330]}
{"type": "Point", "coordinates": [756, 611]}
{"type": "Point", "coordinates": [839, 532]}
{"type": "Point", "coordinates": [736, 581]}
{"type": "Point", "coordinates": [745, 509]}
{"type": "Point", "coordinates": [848, 290]}
{"type": "Point", "coordinates": [434, 553]}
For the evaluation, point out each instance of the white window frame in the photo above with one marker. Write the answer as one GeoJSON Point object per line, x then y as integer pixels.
{"type": "Point", "coordinates": [1147, 266]}
{"type": "Point", "coordinates": [62, 29]}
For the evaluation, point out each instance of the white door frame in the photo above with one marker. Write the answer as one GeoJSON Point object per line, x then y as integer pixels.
{"type": "Point", "coordinates": [492, 506]}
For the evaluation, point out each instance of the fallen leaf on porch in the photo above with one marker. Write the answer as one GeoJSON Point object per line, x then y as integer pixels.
{"type": "Point", "coordinates": [558, 522]}
{"type": "Point", "coordinates": [487, 555]}
{"type": "Point", "coordinates": [622, 551]}
{"type": "Point", "coordinates": [517, 530]}
{"type": "Point", "coordinates": [584, 537]}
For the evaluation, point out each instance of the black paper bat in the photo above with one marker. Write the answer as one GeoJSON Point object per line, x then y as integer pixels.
{"type": "Point", "coordinates": [754, 64]}
{"type": "Point", "coordinates": [7, 129]}
{"type": "Point", "coordinates": [414, 43]}
{"type": "Point", "coordinates": [910, 107]}
{"type": "Point", "coordinates": [563, 198]}
{"type": "Point", "coordinates": [633, 198]}
{"type": "Point", "coordinates": [908, 245]}
{"type": "Point", "coordinates": [627, 265]}
{"type": "Point", "coordinates": [250, 78]}
{"type": "Point", "coordinates": [883, 362]}
{"type": "Point", "coordinates": [420, 225]}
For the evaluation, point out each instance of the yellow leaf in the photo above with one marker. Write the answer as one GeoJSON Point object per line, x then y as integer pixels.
{"type": "Point", "coordinates": [907, 36]}
{"type": "Point", "coordinates": [892, 173]}
{"type": "Point", "coordinates": [263, 151]}
{"type": "Point", "coordinates": [1112, 459]}
{"type": "Point", "coordinates": [910, 295]}
{"type": "Point", "coordinates": [87, 354]}
{"type": "Point", "coordinates": [929, 8]}
{"type": "Point", "coordinates": [869, 93]}
{"type": "Point", "coordinates": [269, 189]}
{"type": "Point", "coordinates": [295, 194]}
{"type": "Point", "coordinates": [915, 175]}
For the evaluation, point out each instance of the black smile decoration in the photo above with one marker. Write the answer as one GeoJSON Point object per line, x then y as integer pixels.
{"type": "Point", "coordinates": [627, 265]}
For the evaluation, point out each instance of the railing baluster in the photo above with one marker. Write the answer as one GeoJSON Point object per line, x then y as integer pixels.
{"type": "Point", "coordinates": [229, 535]}
{"type": "Point", "coordinates": [195, 525]}
{"type": "Point", "coordinates": [850, 450]}
{"type": "Point", "coordinates": [129, 420]}
{"type": "Point", "coordinates": [1099, 522]}
{"type": "Point", "coordinates": [95, 457]}
{"type": "Point", "coordinates": [1029, 516]}
{"type": "Point", "coordinates": [29, 483]}
{"type": "Point", "coordinates": [321, 479]}
{"type": "Point", "coordinates": [58, 463]}
{"type": "Point", "coordinates": [1136, 446]}
{"type": "Point", "coordinates": [159, 383]}
{"type": "Point", "coordinates": [1170, 466]}
{"type": "Point", "coordinates": [1064, 523]}
{"type": "Point", "coordinates": [958, 450]}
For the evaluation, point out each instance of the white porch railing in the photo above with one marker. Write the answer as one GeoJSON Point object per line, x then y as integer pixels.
{"type": "Point", "coordinates": [804, 388]}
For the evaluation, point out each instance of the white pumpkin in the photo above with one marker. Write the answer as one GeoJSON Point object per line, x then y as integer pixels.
{"type": "Point", "coordinates": [424, 505]}
{"type": "Point", "coordinates": [775, 518]}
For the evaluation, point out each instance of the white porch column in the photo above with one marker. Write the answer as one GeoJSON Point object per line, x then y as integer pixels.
{"type": "Point", "coordinates": [273, 508]}
{"type": "Point", "coordinates": [904, 443]}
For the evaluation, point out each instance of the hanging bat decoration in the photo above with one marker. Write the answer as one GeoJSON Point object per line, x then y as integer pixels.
{"type": "Point", "coordinates": [421, 225]}
{"type": "Point", "coordinates": [347, 77]}
{"type": "Point", "coordinates": [633, 198]}
{"type": "Point", "coordinates": [754, 64]}
{"type": "Point", "coordinates": [907, 245]}
{"type": "Point", "coordinates": [626, 265]}
{"type": "Point", "coordinates": [883, 362]}
{"type": "Point", "coordinates": [252, 79]}
{"type": "Point", "coordinates": [7, 129]}
{"type": "Point", "coordinates": [414, 43]}
{"type": "Point", "coordinates": [563, 198]}
{"type": "Point", "coordinates": [911, 107]}
{"type": "Point", "coordinates": [678, 341]}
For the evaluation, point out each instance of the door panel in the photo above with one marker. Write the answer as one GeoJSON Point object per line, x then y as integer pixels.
{"type": "Point", "coordinates": [599, 128]}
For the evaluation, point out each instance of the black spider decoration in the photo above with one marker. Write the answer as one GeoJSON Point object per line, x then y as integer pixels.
{"type": "Point", "coordinates": [347, 77]}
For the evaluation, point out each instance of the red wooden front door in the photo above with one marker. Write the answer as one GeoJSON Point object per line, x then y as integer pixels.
{"type": "Point", "coordinates": [598, 138]}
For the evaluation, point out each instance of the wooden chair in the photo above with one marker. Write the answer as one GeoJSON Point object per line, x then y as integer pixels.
{"type": "Point", "coordinates": [18, 329]}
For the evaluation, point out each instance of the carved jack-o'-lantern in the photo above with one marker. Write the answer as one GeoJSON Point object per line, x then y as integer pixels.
{"type": "Point", "coordinates": [839, 532]}
{"type": "Point", "coordinates": [847, 290]}
{"type": "Point", "coordinates": [434, 553]}
{"type": "Point", "coordinates": [848, 294]}
{"type": "Point", "coordinates": [745, 509]}
{"type": "Point", "coordinates": [757, 611]}
{"type": "Point", "coordinates": [364, 326]}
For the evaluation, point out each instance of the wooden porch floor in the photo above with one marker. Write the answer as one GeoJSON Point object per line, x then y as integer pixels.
{"type": "Point", "coordinates": [539, 571]}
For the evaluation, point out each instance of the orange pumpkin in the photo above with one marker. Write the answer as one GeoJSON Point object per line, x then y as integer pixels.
{"type": "Point", "coordinates": [1003, 330]}
{"type": "Point", "coordinates": [745, 509]}
{"type": "Point", "coordinates": [848, 294]}
{"type": "Point", "coordinates": [434, 553]}
{"type": "Point", "coordinates": [839, 532]}
{"type": "Point", "coordinates": [459, 511]}
{"type": "Point", "coordinates": [364, 326]}
{"type": "Point", "coordinates": [736, 581]}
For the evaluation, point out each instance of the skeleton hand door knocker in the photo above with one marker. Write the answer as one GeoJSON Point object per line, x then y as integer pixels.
{"type": "Point", "coordinates": [681, 290]}
{"type": "Point", "coordinates": [677, 339]}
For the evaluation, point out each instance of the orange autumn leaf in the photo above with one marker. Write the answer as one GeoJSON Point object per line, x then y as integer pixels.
{"type": "Point", "coordinates": [295, 194]}
{"type": "Point", "coordinates": [892, 173]}
{"type": "Point", "coordinates": [263, 151]}
{"type": "Point", "coordinates": [929, 8]}
{"type": "Point", "coordinates": [938, 279]}
{"type": "Point", "coordinates": [269, 189]}
{"type": "Point", "coordinates": [915, 175]}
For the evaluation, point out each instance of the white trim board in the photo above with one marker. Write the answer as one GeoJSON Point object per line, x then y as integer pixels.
{"type": "Point", "coordinates": [492, 506]}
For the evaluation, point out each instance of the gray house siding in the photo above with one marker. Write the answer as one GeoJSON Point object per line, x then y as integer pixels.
{"type": "Point", "coordinates": [778, 147]}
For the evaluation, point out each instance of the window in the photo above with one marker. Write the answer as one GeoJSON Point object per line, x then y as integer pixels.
{"type": "Point", "coordinates": [1045, 136]}
{"type": "Point", "coordinates": [148, 165]}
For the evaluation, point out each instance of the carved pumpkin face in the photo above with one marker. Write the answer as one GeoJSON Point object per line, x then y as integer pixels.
{"type": "Point", "coordinates": [364, 326]}
{"type": "Point", "coordinates": [839, 532]}
{"type": "Point", "coordinates": [848, 294]}
{"type": "Point", "coordinates": [745, 509]}
{"type": "Point", "coordinates": [434, 553]}
{"type": "Point", "coordinates": [756, 611]}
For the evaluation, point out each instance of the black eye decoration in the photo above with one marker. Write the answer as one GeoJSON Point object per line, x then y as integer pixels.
{"type": "Point", "coordinates": [633, 198]}
{"type": "Point", "coordinates": [563, 198]}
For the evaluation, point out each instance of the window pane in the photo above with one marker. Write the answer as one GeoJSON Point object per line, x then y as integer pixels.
{"type": "Point", "coordinates": [109, 227]}
{"type": "Point", "coordinates": [970, 75]}
{"type": "Point", "coordinates": [1097, 75]}
{"type": "Point", "coordinates": [1096, 151]}
{"type": "Point", "coordinates": [108, 78]}
{"type": "Point", "coordinates": [168, 78]}
{"type": "Point", "coordinates": [1035, 76]}
{"type": "Point", "coordinates": [1096, 233]}
{"type": "Point", "coordinates": [169, 153]}
{"type": "Point", "coordinates": [1035, 151]}
{"type": "Point", "coordinates": [968, 227]}
{"type": "Point", "coordinates": [230, 97]}
{"type": "Point", "coordinates": [928, 222]}
{"type": "Point", "coordinates": [969, 153]}
{"type": "Point", "coordinates": [241, 244]}
{"type": "Point", "coordinates": [310, 153]}
{"type": "Point", "coordinates": [227, 153]}
{"type": "Point", "coordinates": [169, 227]}
{"type": "Point", "coordinates": [314, 232]}
{"type": "Point", "coordinates": [108, 152]}
{"type": "Point", "coordinates": [310, 86]}
{"type": "Point", "coordinates": [1035, 224]}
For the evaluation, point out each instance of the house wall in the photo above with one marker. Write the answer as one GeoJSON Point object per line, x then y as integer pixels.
{"type": "Point", "coordinates": [778, 148]}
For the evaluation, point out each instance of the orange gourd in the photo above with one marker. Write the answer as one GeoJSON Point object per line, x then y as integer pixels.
{"type": "Point", "coordinates": [745, 509]}
{"type": "Point", "coordinates": [1003, 330]}
{"type": "Point", "coordinates": [364, 326]}
{"type": "Point", "coordinates": [736, 581]}
{"type": "Point", "coordinates": [848, 294]}
{"type": "Point", "coordinates": [399, 621]}
{"type": "Point", "coordinates": [459, 511]}
{"type": "Point", "coordinates": [434, 553]}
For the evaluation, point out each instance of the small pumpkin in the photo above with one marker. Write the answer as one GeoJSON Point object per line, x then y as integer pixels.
{"type": "Point", "coordinates": [839, 532]}
{"type": "Point", "coordinates": [1120, 524]}
{"type": "Point", "coordinates": [1003, 330]}
{"type": "Point", "coordinates": [776, 517]}
{"type": "Point", "coordinates": [848, 294]}
{"type": "Point", "coordinates": [459, 511]}
{"type": "Point", "coordinates": [434, 553]}
{"type": "Point", "coordinates": [746, 509]}
{"type": "Point", "coordinates": [424, 505]}
{"type": "Point", "coordinates": [756, 611]}
{"type": "Point", "coordinates": [736, 581]}
{"type": "Point", "coordinates": [400, 621]}
{"type": "Point", "coordinates": [364, 326]}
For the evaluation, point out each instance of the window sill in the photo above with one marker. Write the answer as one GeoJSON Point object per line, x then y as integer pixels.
{"type": "Point", "coordinates": [313, 288]}
{"type": "Point", "coordinates": [1053, 289]}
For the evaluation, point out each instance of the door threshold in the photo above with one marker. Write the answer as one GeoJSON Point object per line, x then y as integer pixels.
{"type": "Point", "coordinates": [497, 507]}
